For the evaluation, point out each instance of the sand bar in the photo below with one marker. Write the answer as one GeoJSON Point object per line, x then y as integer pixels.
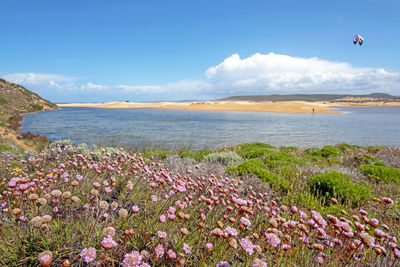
{"type": "Point", "coordinates": [278, 107]}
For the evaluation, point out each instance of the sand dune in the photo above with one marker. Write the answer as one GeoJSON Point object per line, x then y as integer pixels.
{"type": "Point", "coordinates": [279, 107]}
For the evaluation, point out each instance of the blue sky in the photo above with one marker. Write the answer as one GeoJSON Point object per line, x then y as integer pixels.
{"type": "Point", "coordinates": [97, 51]}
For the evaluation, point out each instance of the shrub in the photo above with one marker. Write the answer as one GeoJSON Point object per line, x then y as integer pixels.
{"type": "Point", "coordinates": [157, 153]}
{"type": "Point", "coordinates": [328, 151]}
{"type": "Point", "coordinates": [338, 185]}
{"type": "Point", "coordinates": [251, 151]}
{"type": "Point", "coordinates": [36, 106]}
{"type": "Point", "coordinates": [256, 167]}
{"type": "Point", "coordinates": [275, 159]}
{"type": "Point", "coordinates": [368, 159]}
{"type": "Point", "coordinates": [374, 148]}
{"type": "Point", "coordinates": [381, 173]}
{"type": "Point", "coordinates": [249, 166]}
{"type": "Point", "coordinates": [230, 158]}
{"type": "Point", "coordinates": [197, 155]}
{"type": "Point", "coordinates": [288, 149]}
{"type": "Point", "coordinates": [344, 147]}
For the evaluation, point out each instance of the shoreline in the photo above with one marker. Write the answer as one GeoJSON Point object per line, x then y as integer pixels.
{"type": "Point", "coordinates": [245, 106]}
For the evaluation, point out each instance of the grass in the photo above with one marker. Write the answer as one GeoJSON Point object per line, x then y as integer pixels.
{"type": "Point", "coordinates": [57, 204]}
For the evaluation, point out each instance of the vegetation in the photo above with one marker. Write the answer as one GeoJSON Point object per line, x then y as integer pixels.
{"type": "Point", "coordinates": [338, 185]}
{"type": "Point", "coordinates": [310, 97]}
{"type": "Point", "coordinates": [79, 205]}
{"type": "Point", "coordinates": [14, 101]}
{"type": "Point", "coordinates": [381, 173]}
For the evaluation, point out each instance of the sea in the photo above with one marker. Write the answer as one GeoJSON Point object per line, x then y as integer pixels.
{"type": "Point", "coordinates": [166, 129]}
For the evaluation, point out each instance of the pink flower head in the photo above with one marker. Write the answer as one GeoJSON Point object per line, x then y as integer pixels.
{"type": "Point", "coordinates": [88, 254]}
{"type": "Point", "coordinates": [273, 240]}
{"type": "Point", "coordinates": [171, 254]}
{"type": "Point", "coordinates": [231, 231]}
{"type": "Point", "coordinates": [246, 222]}
{"type": "Point", "coordinates": [162, 218]}
{"type": "Point", "coordinates": [154, 198]}
{"type": "Point", "coordinates": [247, 245]}
{"type": "Point", "coordinates": [259, 263]}
{"type": "Point", "coordinates": [171, 210]}
{"type": "Point", "coordinates": [159, 251]}
{"type": "Point", "coordinates": [108, 243]}
{"type": "Point", "coordinates": [186, 248]}
{"type": "Point", "coordinates": [209, 246]}
{"type": "Point", "coordinates": [132, 260]}
{"type": "Point", "coordinates": [387, 200]}
{"type": "Point", "coordinates": [162, 235]}
{"type": "Point", "coordinates": [222, 264]}
{"type": "Point", "coordinates": [135, 209]}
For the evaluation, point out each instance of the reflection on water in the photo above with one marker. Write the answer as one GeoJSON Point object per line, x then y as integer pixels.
{"type": "Point", "coordinates": [169, 129]}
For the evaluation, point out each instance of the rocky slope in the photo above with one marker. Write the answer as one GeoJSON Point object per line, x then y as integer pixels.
{"type": "Point", "coordinates": [14, 101]}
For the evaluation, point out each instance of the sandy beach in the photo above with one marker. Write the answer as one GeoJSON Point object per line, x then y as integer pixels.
{"type": "Point", "coordinates": [279, 107]}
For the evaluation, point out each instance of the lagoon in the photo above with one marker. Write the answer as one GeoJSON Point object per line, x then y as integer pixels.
{"type": "Point", "coordinates": [172, 129]}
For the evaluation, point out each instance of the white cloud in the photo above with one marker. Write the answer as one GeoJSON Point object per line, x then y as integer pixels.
{"type": "Point", "coordinates": [37, 78]}
{"type": "Point", "coordinates": [94, 87]}
{"type": "Point", "coordinates": [257, 74]}
{"type": "Point", "coordinates": [274, 73]}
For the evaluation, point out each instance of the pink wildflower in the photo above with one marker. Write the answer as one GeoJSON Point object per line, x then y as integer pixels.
{"type": "Point", "coordinates": [162, 235]}
{"type": "Point", "coordinates": [162, 218]}
{"type": "Point", "coordinates": [186, 248]}
{"type": "Point", "coordinates": [171, 254]}
{"type": "Point", "coordinates": [273, 240]}
{"type": "Point", "coordinates": [231, 231]}
{"type": "Point", "coordinates": [135, 209]}
{"type": "Point", "coordinates": [88, 254]}
{"type": "Point", "coordinates": [259, 263]}
{"type": "Point", "coordinates": [108, 243]}
{"type": "Point", "coordinates": [159, 251]}
{"type": "Point", "coordinates": [132, 260]}
{"type": "Point", "coordinates": [246, 222]}
{"type": "Point", "coordinates": [247, 245]}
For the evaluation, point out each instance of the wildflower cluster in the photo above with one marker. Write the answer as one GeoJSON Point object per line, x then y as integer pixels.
{"type": "Point", "coordinates": [121, 208]}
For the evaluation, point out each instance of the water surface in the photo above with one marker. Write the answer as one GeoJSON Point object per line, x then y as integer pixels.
{"type": "Point", "coordinates": [169, 129]}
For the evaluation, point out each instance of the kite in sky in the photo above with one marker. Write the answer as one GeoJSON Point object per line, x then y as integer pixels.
{"type": "Point", "coordinates": [358, 39]}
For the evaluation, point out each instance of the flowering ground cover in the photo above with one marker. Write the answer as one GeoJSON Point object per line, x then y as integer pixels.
{"type": "Point", "coordinates": [247, 205]}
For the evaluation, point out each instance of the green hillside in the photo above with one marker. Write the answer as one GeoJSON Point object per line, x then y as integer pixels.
{"type": "Point", "coordinates": [14, 101]}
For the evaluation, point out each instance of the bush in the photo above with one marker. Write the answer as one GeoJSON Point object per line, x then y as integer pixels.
{"type": "Point", "coordinates": [381, 173]}
{"type": "Point", "coordinates": [256, 167]}
{"type": "Point", "coordinates": [251, 151]}
{"type": "Point", "coordinates": [158, 153]}
{"type": "Point", "coordinates": [338, 185]}
{"type": "Point", "coordinates": [36, 106]}
{"type": "Point", "coordinates": [275, 159]}
{"type": "Point", "coordinates": [328, 151]}
{"type": "Point", "coordinates": [197, 155]}
{"type": "Point", "coordinates": [344, 147]}
{"type": "Point", "coordinates": [230, 158]}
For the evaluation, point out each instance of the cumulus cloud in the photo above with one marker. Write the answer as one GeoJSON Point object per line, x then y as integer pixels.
{"type": "Point", "coordinates": [274, 73]}
{"type": "Point", "coordinates": [257, 74]}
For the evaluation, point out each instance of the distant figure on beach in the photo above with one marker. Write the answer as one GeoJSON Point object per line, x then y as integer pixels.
{"type": "Point", "coordinates": [313, 111]}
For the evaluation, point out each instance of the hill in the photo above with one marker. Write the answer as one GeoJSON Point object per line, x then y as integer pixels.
{"type": "Point", "coordinates": [311, 97]}
{"type": "Point", "coordinates": [14, 101]}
